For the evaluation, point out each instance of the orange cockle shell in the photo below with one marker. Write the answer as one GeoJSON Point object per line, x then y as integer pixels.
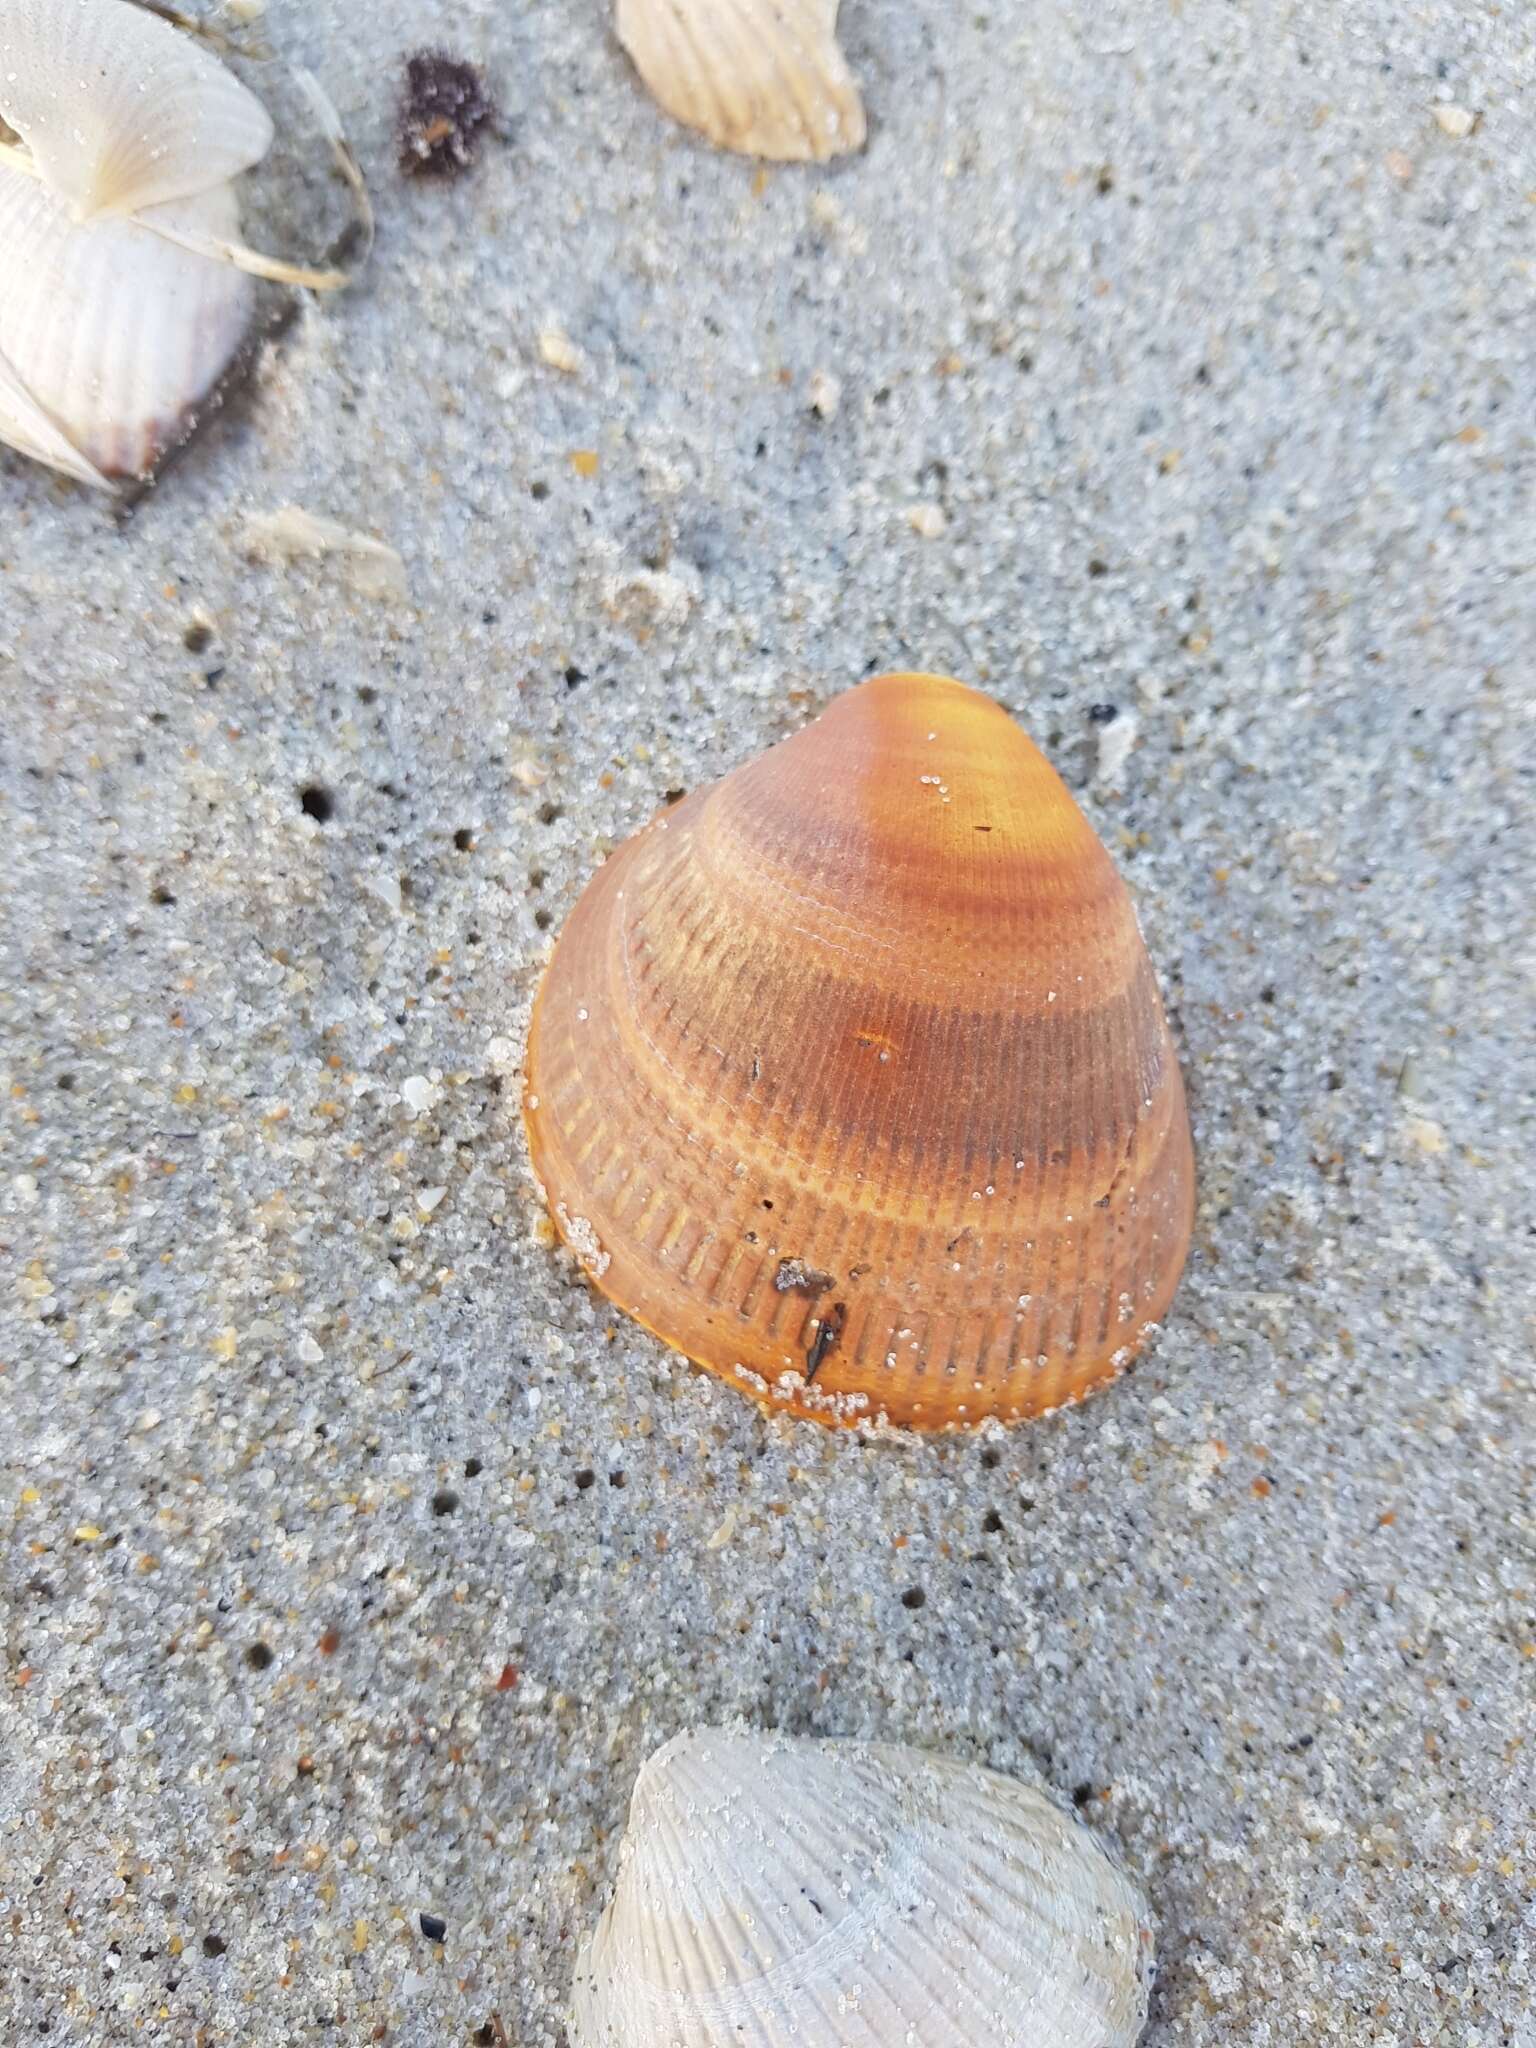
{"type": "Point", "coordinates": [849, 1076]}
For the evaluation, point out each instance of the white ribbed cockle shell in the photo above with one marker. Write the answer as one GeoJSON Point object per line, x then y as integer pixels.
{"type": "Point", "coordinates": [123, 285]}
{"type": "Point", "coordinates": [112, 335]}
{"type": "Point", "coordinates": [781, 1893]}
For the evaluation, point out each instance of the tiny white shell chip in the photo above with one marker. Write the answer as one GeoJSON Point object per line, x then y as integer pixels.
{"type": "Point", "coordinates": [418, 1093]}
{"type": "Point", "coordinates": [762, 77]}
{"type": "Point", "coordinates": [1457, 122]}
{"type": "Point", "coordinates": [825, 393]}
{"type": "Point", "coordinates": [778, 1893]}
{"type": "Point", "coordinates": [557, 349]}
{"type": "Point", "coordinates": [120, 110]}
{"type": "Point", "coordinates": [110, 336]}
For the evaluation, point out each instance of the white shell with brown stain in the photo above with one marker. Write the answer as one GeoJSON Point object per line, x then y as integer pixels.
{"type": "Point", "coordinates": [783, 1893]}
{"type": "Point", "coordinates": [119, 109]}
{"type": "Point", "coordinates": [765, 78]}
{"type": "Point", "coordinates": [122, 134]}
{"type": "Point", "coordinates": [110, 335]}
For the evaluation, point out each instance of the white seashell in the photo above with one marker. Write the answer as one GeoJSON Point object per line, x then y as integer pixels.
{"type": "Point", "coordinates": [124, 286]}
{"type": "Point", "coordinates": [120, 110]}
{"type": "Point", "coordinates": [110, 335]}
{"type": "Point", "coordinates": [764, 77]}
{"type": "Point", "coordinates": [775, 1893]}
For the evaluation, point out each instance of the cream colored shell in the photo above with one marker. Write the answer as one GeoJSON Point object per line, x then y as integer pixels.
{"type": "Point", "coordinates": [781, 1893]}
{"type": "Point", "coordinates": [110, 336]}
{"type": "Point", "coordinates": [763, 77]}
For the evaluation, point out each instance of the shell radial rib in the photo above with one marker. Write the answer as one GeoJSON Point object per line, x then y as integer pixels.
{"type": "Point", "coordinates": [850, 1079]}
{"type": "Point", "coordinates": [775, 1893]}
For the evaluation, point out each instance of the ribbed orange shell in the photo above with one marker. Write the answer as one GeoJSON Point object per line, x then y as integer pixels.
{"type": "Point", "coordinates": [849, 1076]}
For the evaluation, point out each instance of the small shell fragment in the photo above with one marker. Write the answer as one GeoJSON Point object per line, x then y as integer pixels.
{"type": "Point", "coordinates": [762, 77]}
{"type": "Point", "coordinates": [1117, 742]}
{"type": "Point", "coordinates": [825, 393]}
{"type": "Point", "coordinates": [557, 349]}
{"type": "Point", "coordinates": [1457, 122]}
{"type": "Point", "coordinates": [291, 534]}
{"type": "Point", "coordinates": [775, 1893]}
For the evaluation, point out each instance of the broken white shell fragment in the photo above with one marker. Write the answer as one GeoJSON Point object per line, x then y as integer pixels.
{"type": "Point", "coordinates": [777, 1893]}
{"type": "Point", "coordinates": [290, 534]}
{"type": "Point", "coordinates": [763, 77]}
{"type": "Point", "coordinates": [111, 336]}
{"type": "Point", "coordinates": [119, 110]}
